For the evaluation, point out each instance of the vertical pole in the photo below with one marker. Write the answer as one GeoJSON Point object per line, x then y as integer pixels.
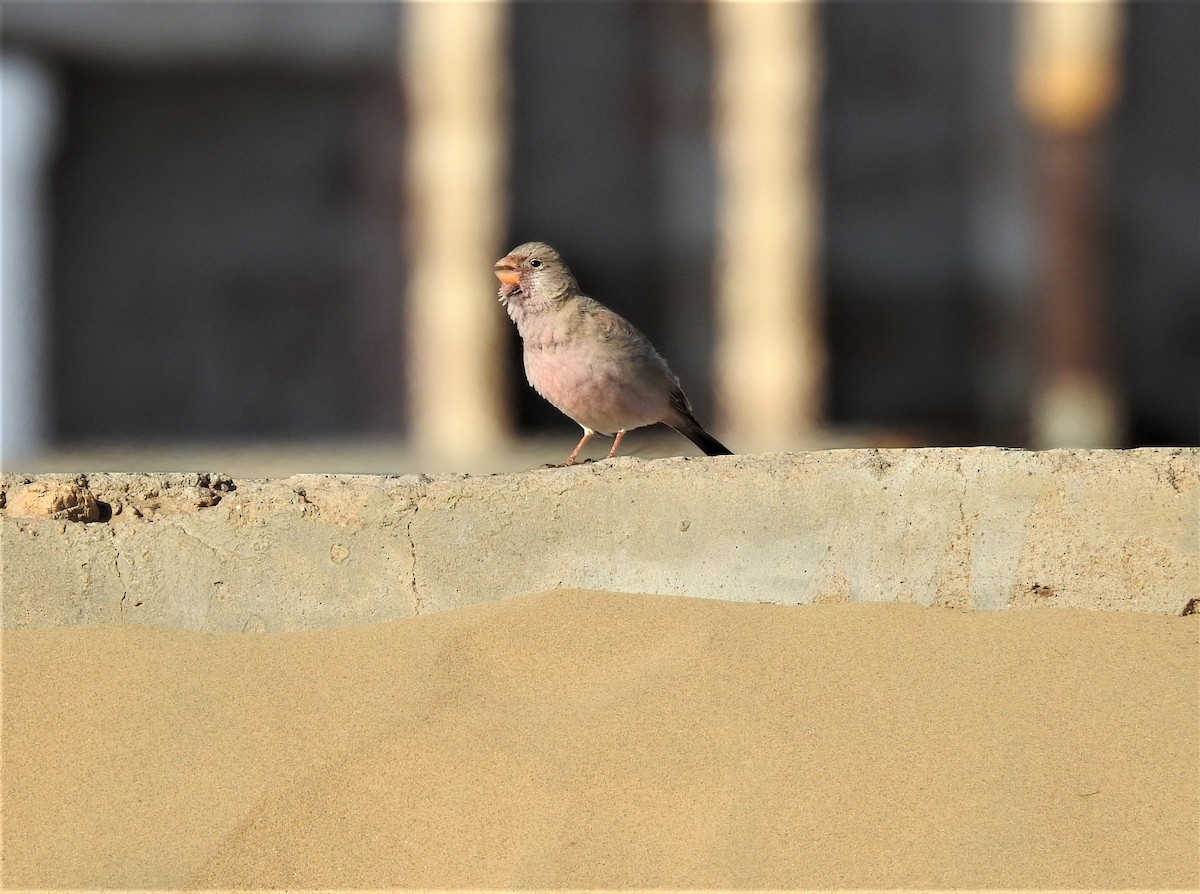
{"type": "Point", "coordinates": [28, 96]}
{"type": "Point", "coordinates": [770, 377]}
{"type": "Point", "coordinates": [1068, 72]}
{"type": "Point", "coordinates": [454, 64]}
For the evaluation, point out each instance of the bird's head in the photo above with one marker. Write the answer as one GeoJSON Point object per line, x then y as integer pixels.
{"type": "Point", "coordinates": [534, 272]}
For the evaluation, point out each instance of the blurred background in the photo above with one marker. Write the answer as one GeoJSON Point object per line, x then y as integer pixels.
{"type": "Point", "coordinates": [257, 238]}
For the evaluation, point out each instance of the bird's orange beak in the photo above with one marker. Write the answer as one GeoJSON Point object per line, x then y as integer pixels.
{"type": "Point", "coordinates": [506, 271]}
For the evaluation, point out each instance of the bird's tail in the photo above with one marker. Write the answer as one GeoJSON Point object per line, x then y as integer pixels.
{"type": "Point", "coordinates": [694, 432]}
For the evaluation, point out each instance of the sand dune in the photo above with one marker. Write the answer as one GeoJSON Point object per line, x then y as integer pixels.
{"type": "Point", "coordinates": [577, 739]}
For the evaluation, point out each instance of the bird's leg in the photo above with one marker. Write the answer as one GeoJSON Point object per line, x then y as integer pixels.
{"type": "Point", "coordinates": [587, 436]}
{"type": "Point", "coordinates": [616, 443]}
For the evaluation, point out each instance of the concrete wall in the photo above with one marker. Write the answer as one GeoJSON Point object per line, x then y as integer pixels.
{"type": "Point", "coordinates": [972, 527]}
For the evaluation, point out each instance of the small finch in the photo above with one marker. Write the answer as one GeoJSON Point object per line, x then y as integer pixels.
{"type": "Point", "coordinates": [589, 362]}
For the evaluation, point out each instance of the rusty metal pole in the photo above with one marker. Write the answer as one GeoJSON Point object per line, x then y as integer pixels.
{"type": "Point", "coordinates": [1068, 71]}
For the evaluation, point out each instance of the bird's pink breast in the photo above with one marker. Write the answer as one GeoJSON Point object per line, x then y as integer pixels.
{"type": "Point", "coordinates": [597, 392]}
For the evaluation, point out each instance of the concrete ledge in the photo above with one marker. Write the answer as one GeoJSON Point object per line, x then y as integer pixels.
{"type": "Point", "coordinates": [972, 527]}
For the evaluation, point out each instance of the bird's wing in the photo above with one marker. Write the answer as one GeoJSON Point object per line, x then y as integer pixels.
{"type": "Point", "coordinates": [631, 345]}
{"type": "Point", "coordinates": [680, 402]}
{"type": "Point", "coordinates": [613, 327]}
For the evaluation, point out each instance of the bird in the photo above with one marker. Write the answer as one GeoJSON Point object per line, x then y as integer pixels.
{"type": "Point", "coordinates": [589, 362]}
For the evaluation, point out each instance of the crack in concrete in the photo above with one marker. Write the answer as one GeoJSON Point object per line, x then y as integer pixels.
{"type": "Point", "coordinates": [418, 607]}
{"type": "Point", "coordinates": [112, 539]}
{"type": "Point", "coordinates": [961, 536]}
{"type": "Point", "coordinates": [962, 494]}
{"type": "Point", "coordinates": [1172, 476]}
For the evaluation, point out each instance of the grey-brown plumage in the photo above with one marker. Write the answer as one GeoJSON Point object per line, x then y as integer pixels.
{"type": "Point", "coordinates": [588, 361]}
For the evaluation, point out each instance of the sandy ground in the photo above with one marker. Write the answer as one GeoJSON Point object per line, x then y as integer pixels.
{"type": "Point", "coordinates": [576, 739]}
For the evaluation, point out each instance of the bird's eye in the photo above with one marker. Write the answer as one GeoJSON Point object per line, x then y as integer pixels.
{"type": "Point", "coordinates": [535, 263]}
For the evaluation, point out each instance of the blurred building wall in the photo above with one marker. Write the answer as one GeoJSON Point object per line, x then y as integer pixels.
{"type": "Point", "coordinates": [228, 270]}
{"type": "Point", "coordinates": [925, 219]}
{"type": "Point", "coordinates": [228, 213]}
{"type": "Point", "coordinates": [932, 234]}
{"type": "Point", "coordinates": [225, 218]}
{"type": "Point", "coordinates": [1154, 225]}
